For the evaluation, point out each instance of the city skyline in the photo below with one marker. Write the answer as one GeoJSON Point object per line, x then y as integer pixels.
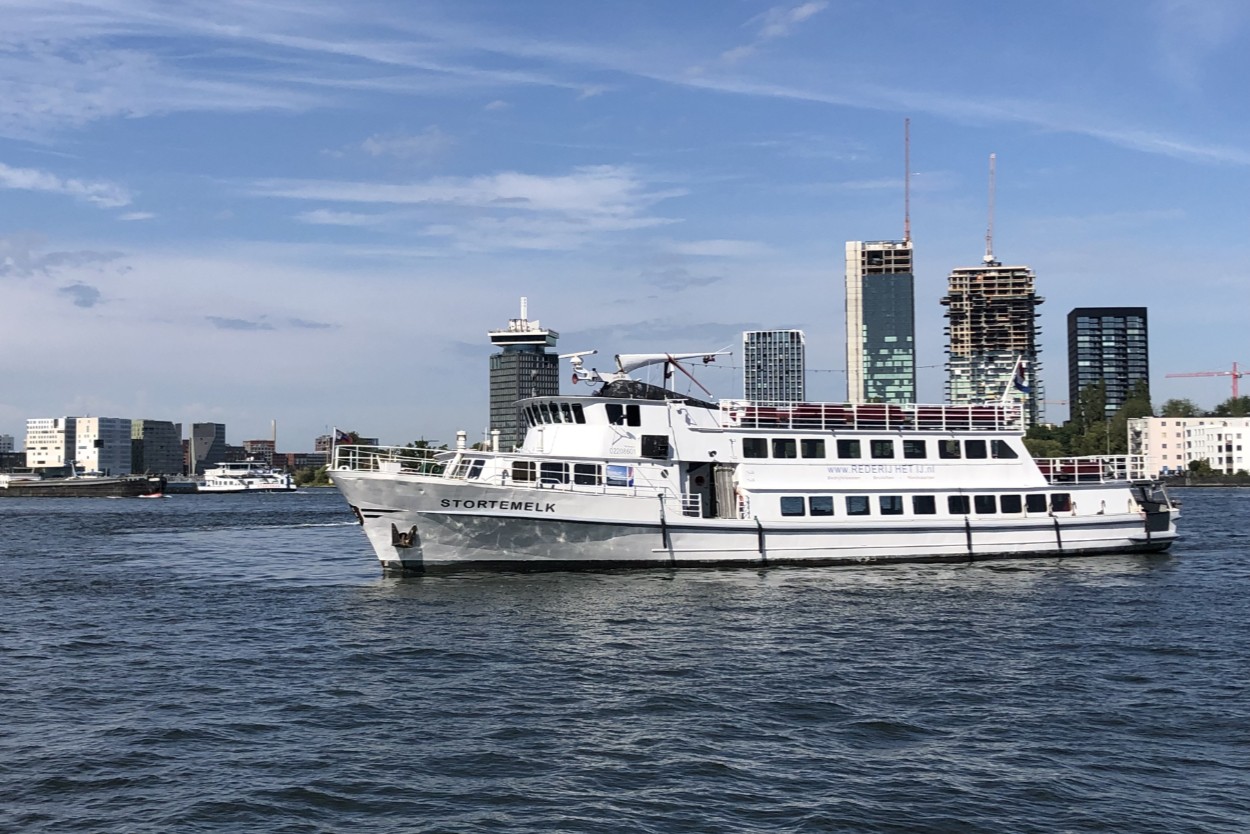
{"type": "Point", "coordinates": [245, 212]}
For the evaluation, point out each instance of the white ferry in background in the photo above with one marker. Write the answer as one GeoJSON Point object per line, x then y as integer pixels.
{"type": "Point", "coordinates": [245, 476]}
{"type": "Point", "coordinates": [638, 475]}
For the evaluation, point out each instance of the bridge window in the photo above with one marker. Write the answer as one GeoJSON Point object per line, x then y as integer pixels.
{"type": "Point", "coordinates": [624, 415]}
{"type": "Point", "coordinates": [587, 474]}
{"type": "Point", "coordinates": [579, 416]}
{"type": "Point", "coordinates": [948, 449]}
{"type": "Point", "coordinates": [891, 504]}
{"type": "Point", "coordinates": [957, 504]}
{"type": "Point", "coordinates": [857, 505]}
{"type": "Point", "coordinates": [915, 449]}
{"type": "Point", "coordinates": [882, 448]}
{"type": "Point", "coordinates": [1035, 503]}
{"type": "Point", "coordinates": [754, 447]}
{"type": "Point", "coordinates": [820, 504]}
{"type": "Point", "coordinates": [785, 447]}
{"type": "Point", "coordinates": [985, 504]}
{"type": "Point", "coordinates": [812, 449]}
{"type": "Point", "coordinates": [1002, 449]}
{"type": "Point", "coordinates": [849, 449]}
{"type": "Point", "coordinates": [923, 505]}
{"type": "Point", "coordinates": [792, 505]}
{"type": "Point", "coordinates": [552, 472]}
{"type": "Point", "coordinates": [974, 449]}
{"type": "Point", "coordinates": [1010, 503]}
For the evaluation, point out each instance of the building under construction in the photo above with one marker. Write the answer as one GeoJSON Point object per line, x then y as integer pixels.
{"type": "Point", "coordinates": [991, 313]}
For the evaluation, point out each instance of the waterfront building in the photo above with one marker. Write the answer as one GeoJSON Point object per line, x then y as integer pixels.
{"type": "Point", "coordinates": [880, 322]}
{"type": "Point", "coordinates": [102, 444]}
{"type": "Point", "coordinates": [522, 368]}
{"type": "Point", "coordinates": [774, 365]}
{"type": "Point", "coordinates": [991, 313]}
{"type": "Point", "coordinates": [1108, 345]}
{"type": "Point", "coordinates": [207, 446]}
{"type": "Point", "coordinates": [156, 447]}
{"type": "Point", "coordinates": [50, 442]}
{"type": "Point", "coordinates": [292, 461]}
{"type": "Point", "coordinates": [262, 450]}
{"type": "Point", "coordinates": [1169, 444]}
{"type": "Point", "coordinates": [6, 443]}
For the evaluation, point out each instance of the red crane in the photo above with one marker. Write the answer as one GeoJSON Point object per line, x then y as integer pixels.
{"type": "Point", "coordinates": [1234, 373]}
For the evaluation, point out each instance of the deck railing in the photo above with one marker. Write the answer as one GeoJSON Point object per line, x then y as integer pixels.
{"type": "Point", "coordinates": [390, 459]}
{"type": "Point", "coordinates": [1092, 468]}
{"type": "Point", "coordinates": [872, 416]}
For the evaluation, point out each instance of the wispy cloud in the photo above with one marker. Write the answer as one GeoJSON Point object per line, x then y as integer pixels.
{"type": "Point", "coordinates": [83, 295]}
{"type": "Point", "coordinates": [325, 217]}
{"type": "Point", "coordinates": [98, 193]}
{"type": "Point", "coordinates": [132, 216]}
{"type": "Point", "coordinates": [777, 22]}
{"type": "Point", "coordinates": [423, 145]}
{"type": "Point", "coordinates": [222, 323]}
{"type": "Point", "coordinates": [21, 256]}
{"type": "Point", "coordinates": [1190, 32]}
{"type": "Point", "coordinates": [304, 324]}
{"type": "Point", "coordinates": [720, 248]}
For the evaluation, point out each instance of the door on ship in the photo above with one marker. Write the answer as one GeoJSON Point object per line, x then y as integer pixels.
{"type": "Point", "coordinates": [699, 482]}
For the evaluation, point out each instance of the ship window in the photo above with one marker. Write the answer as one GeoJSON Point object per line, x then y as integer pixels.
{"type": "Point", "coordinates": [891, 504]}
{"type": "Point", "coordinates": [655, 446]}
{"type": "Point", "coordinates": [985, 504]}
{"type": "Point", "coordinates": [616, 414]}
{"type": "Point", "coordinates": [848, 449]}
{"type": "Point", "coordinates": [633, 416]}
{"type": "Point", "coordinates": [882, 448]}
{"type": "Point", "coordinates": [1002, 449]}
{"type": "Point", "coordinates": [1060, 502]}
{"type": "Point", "coordinates": [1035, 503]}
{"type": "Point", "coordinates": [587, 474]}
{"type": "Point", "coordinates": [566, 412]}
{"type": "Point", "coordinates": [475, 469]}
{"type": "Point", "coordinates": [820, 504]}
{"type": "Point", "coordinates": [555, 413]}
{"type": "Point", "coordinates": [857, 505]}
{"type": "Point", "coordinates": [551, 472]}
{"type": "Point", "coordinates": [948, 449]}
{"type": "Point", "coordinates": [792, 505]}
{"type": "Point", "coordinates": [957, 504]}
{"type": "Point", "coordinates": [579, 416]}
{"type": "Point", "coordinates": [1010, 503]}
{"type": "Point", "coordinates": [784, 447]}
{"type": "Point", "coordinates": [923, 505]}
{"type": "Point", "coordinates": [974, 449]}
{"type": "Point", "coordinates": [620, 476]}
{"type": "Point", "coordinates": [812, 449]}
{"type": "Point", "coordinates": [754, 447]}
{"type": "Point", "coordinates": [523, 470]}
{"type": "Point", "coordinates": [915, 449]}
{"type": "Point", "coordinates": [544, 414]}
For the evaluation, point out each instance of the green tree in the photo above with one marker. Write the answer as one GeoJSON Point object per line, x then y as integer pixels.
{"type": "Point", "coordinates": [312, 476]}
{"type": "Point", "coordinates": [1179, 408]}
{"type": "Point", "coordinates": [1136, 405]}
{"type": "Point", "coordinates": [1238, 407]}
{"type": "Point", "coordinates": [1201, 468]}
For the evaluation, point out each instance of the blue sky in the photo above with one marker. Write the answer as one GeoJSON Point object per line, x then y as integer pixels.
{"type": "Point", "coordinates": [313, 212]}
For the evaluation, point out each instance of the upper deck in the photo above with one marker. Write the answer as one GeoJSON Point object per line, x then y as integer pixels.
{"type": "Point", "coordinates": [997, 417]}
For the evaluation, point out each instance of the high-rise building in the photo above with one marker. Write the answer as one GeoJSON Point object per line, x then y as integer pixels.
{"type": "Point", "coordinates": [102, 444]}
{"type": "Point", "coordinates": [991, 313]}
{"type": "Point", "coordinates": [50, 441]}
{"type": "Point", "coordinates": [207, 446]}
{"type": "Point", "coordinates": [880, 322]}
{"type": "Point", "coordinates": [1109, 345]}
{"type": "Point", "coordinates": [522, 368]}
{"type": "Point", "coordinates": [774, 365]}
{"type": "Point", "coordinates": [156, 447]}
{"type": "Point", "coordinates": [6, 443]}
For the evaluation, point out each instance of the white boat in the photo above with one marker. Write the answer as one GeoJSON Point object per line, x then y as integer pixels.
{"type": "Point", "coordinates": [637, 475]}
{"type": "Point", "coordinates": [245, 476]}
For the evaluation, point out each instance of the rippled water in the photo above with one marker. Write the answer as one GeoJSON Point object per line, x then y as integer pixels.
{"type": "Point", "coordinates": [238, 663]}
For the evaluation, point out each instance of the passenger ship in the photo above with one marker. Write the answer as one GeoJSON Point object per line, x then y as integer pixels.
{"type": "Point", "coordinates": [245, 476]}
{"type": "Point", "coordinates": [638, 475]}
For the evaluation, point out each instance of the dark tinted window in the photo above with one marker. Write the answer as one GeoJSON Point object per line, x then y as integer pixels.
{"type": "Point", "coordinates": [849, 449]}
{"type": "Point", "coordinates": [1035, 503]}
{"type": "Point", "coordinates": [974, 449]}
{"type": "Point", "coordinates": [882, 448]}
{"type": "Point", "coordinates": [754, 447]}
{"type": "Point", "coordinates": [587, 474]}
{"type": "Point", "coordinates": [948, 449]}
{"type": "Point", "coordinates": [792, 505]}
{"type": "Point", "coordinates": [891, 504]}
{"type": "Point", "coordinates": [923, 504]}
{"type": "Point", "coordinates": [1002, 449]}
{"type": "Point", "coordinates": [985, 504]}
{"type": "Point", "coordinates": [655, 446]}
{"type": "Point", "coordinates": [820, 505]}
{"type": "Point", "coordinates": [1060, 502]}
{"type": "Point", "coordinates": [553, 473]}
{"type": "Point", "coordinates": [785, 447]}
{"type": "Point", "coordinates": [914, 449]}
{"type": "Point", "coordinates": [812, 449]}
{"type": "Point", "coordinates": [957, 504]}
{"type": "Point", "coordinates": [1010, 503]}
{"type": "Point", "coordinates": [857, 505]}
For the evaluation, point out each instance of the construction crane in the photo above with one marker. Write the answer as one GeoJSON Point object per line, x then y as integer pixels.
{"type": "Point", "coordinates": [1234, 373]}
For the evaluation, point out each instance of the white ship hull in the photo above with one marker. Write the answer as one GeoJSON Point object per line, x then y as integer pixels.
{"type": "Point", "coordinates": [420, 523]}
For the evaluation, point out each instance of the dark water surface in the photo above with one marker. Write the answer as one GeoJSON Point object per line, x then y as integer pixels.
{"type": "Point", "coordinates": [238, 663]}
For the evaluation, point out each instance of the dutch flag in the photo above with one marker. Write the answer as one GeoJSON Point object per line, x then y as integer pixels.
{"type": "Point", "coordinates": [1017, 379]}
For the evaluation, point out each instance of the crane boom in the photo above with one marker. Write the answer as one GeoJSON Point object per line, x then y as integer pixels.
{"type": "Point", "coordinates": [1234, 373]}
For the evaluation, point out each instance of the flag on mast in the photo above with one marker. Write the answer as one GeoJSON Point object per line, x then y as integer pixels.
{"type": "Point", "coordinates": [1019, 381]}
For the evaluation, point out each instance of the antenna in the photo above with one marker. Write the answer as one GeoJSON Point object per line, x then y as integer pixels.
{"type": "Point", "coordinates": [989, 229]}
{"type": "Point", "coordinates": [907, 180]}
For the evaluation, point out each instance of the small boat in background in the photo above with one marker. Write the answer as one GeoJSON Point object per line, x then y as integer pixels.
{"type": "Point", "coordinates": [245, 476]}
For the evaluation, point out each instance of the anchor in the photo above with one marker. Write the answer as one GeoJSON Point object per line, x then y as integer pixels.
{"type": "Point", "coordinates": [404, 540]}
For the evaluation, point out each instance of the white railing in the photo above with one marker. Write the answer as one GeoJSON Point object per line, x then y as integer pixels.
{"type": "Point", "coordinates": [391, 459]}
{"type": "Point", "coordinates": [1092, 468]}
{"type": "Point", "coordinates": [872, 416]}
